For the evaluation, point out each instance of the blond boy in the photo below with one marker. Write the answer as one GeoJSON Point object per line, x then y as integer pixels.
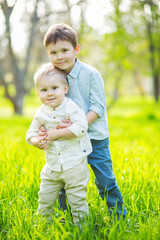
{"type": "Point", "coordinates": [65, 149]}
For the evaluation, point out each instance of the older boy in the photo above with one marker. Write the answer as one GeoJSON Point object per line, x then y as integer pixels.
{"type": "Point", "coordinates": [66, 154]}
{"type": "Point", "coordinates": [86, 88]}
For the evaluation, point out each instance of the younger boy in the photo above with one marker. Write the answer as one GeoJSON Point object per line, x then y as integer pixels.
{"type": "Point", "coordinates": [86, 88]}
{"type": "Point", "coordinates": [66, 154]}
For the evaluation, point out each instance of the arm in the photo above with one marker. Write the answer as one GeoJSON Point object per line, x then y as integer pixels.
{"type": "Point", "coordinates": [91, 116]}
{"type": "Point", "coordinates": [55, 134]}
{"type": "Point", "coordinates": [77, 126]}
{"type": "Point", "coordinates": [32, 136]}
{"type": "Point", "coordinates": [96, 97]}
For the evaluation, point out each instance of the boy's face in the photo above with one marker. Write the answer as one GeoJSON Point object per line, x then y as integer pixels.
{"type": "Point", "coordinates": [51, 90]}
{"type": "Point", "coordinates": [62, 54]}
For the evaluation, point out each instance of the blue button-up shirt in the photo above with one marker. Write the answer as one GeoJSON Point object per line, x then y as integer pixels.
{"type": "Point", "coordinates": [86, 88]}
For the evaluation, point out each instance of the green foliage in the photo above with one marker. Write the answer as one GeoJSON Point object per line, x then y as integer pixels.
{"type": "Point", "coordinates": [134, 143]}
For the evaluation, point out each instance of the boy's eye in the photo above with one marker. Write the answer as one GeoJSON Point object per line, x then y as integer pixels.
{"type": "Point", "coordinates": [54, 88]}
{"type": "Point", "coordinates": [64, 50]}
{"type": "Point", "coordinates": [44, 90]}
{"type": "Point", "coordinates": [53, 53]}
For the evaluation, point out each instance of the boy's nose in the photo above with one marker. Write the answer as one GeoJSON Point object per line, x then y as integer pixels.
{"type": "Point", "coordinates": [50, 93]}
{"type": "Point", "coordinates": [60, 56]}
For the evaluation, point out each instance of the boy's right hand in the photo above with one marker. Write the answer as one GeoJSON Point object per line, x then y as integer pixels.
{"type": "Point", "coordinates": [40, 142]}
{"type": "Point", "coordinates": [42, 131]}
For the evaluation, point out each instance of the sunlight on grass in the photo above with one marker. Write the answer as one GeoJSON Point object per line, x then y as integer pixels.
{"type": "Point", "coordinates": [134, 126]}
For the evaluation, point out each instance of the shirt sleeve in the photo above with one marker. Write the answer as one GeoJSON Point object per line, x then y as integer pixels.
{"type": "Point", "coordinates": [97, 95]}
{"type": "Point", "coordinates": [33, 129]}
{"type": "Point", "coordinates": [79, 121]}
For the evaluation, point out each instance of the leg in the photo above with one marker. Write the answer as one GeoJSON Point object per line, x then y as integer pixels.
{"type": "Point", "coordinates": [62, 199]}
{"type": "Point", "coordinates": [76, 180]}
{"type": "Point", "coordinates": [49, 190]}
{"type": "Point", "coordinates": [101, 163]}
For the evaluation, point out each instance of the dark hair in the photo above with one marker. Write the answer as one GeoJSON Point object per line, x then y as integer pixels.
{"type": "Point", "coordinates": [62, 32]}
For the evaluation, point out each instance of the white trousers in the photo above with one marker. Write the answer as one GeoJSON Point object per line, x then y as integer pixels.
{"type": "Point", "coordinates": [74, 181]}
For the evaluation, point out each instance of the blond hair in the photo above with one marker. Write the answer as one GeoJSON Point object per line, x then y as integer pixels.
{"type": "Point", "coordinates": [48, 70]}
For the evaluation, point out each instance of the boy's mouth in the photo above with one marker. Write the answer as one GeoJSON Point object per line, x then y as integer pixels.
{"type": "Point", "coordinates": [60, 63]}
{"type": "Point", "coordinates": [51, 99]}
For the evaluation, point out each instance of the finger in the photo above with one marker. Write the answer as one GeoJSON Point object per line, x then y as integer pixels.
{"type": "Point", "coordinates": [42, 133]}
{"type": "Point", "coordinates": [42, 128]}
{"type": "Point", "coordinates": [61, 126]}
{"type": "Point", "coordinates": [65, 120]}
{"type": "Point", "coordinates": [42, 146]}
{"type": "Point", "coordinates": [41, 139]}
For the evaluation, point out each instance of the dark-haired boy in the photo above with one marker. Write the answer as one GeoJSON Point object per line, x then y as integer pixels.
{"type": "Point", "coordinates": [86, 88]}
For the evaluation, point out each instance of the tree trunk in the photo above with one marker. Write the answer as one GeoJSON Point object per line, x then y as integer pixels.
{"type": "Point", "coordinates": [156, 86]}
{"type": "Point", "coordinates": [18, 104]}
{"type": "Point", "coordinates": [19, 74]}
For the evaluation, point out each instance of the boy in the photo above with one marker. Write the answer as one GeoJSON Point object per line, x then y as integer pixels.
{"type": "Point", "coordinates": [66, 149]}
{"type": "Point", "coordinates": [86, 88]}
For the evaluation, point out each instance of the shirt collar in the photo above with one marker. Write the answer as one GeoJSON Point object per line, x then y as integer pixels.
{"type": "Point", "coordinates": [75, 70]}
{"type": "Point", "coordinates": [57, 108]}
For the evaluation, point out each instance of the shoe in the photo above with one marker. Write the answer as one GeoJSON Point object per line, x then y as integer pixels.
{"type": "Point", "coordinates": [62, 220]}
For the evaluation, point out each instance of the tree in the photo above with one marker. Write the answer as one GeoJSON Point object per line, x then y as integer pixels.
{"type": "Point", "coordinates": [132, 49]}
{"type": "Point", "coordinates": [150, 14]}
{"type": "Point", "coordinates": [11, 63]}
{"type": "Point", "coordinates": [116, 50]}
{"type": "Point", "coordinates": [15, 70]}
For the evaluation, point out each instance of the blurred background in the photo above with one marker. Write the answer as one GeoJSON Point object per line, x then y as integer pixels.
{"type": "Point", "coordinates": [121, 38]}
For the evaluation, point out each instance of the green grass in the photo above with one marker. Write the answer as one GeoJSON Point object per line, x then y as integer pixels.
{"type": "Point", "coordinates": [134, 126]}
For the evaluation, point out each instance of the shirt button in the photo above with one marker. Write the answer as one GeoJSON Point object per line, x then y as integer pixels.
{"type": "Point", "coordinates": [71, 85]}
{"type": "Point", "coordinates": [82, 131]}
{"type": "Point", "coordinates": [54, 109]}
{"type": "Point", "coordinates": [54, 117]}
{"type": "Point", "coordinates": [59, 154]}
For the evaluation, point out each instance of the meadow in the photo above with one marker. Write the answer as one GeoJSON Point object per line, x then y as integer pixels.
{"type": "Point", "coordinates": [134, 125]}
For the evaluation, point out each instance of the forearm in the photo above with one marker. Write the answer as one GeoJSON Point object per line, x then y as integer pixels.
{"type": "Point", "coordinates": [91, 116]}
{"type": "Point", "coordinates": [55, 134]}
{"type": "Point", "coordinates": [65, 133]}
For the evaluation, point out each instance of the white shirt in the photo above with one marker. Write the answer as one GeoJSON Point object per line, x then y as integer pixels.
{"type": "Point", "coordinates": [65, 153]}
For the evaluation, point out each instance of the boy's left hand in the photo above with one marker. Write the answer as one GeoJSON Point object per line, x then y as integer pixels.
{"type": "Point", "coordinates": [67, 123]}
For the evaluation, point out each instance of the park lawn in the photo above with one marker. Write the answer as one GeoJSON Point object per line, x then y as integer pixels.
{"type": "Point", "coordinates": [134, 125]}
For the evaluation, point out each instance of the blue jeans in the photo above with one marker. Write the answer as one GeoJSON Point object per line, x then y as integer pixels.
{"type": "Point", "coordinates": [101, 164]}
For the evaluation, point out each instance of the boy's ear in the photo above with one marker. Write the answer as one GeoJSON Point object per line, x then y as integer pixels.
{"type": "Point", "coordinates": [66, 88]}
{"type": "Point", "coordinates": [77, 49]}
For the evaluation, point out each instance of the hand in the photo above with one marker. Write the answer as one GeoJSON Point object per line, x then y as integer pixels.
{"type": "Point", "coordinates": [42, 131]}
{"type": "Point", "coordinates": [67, 124]}
{"type": "Point", "coordinates": [40, 142]}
